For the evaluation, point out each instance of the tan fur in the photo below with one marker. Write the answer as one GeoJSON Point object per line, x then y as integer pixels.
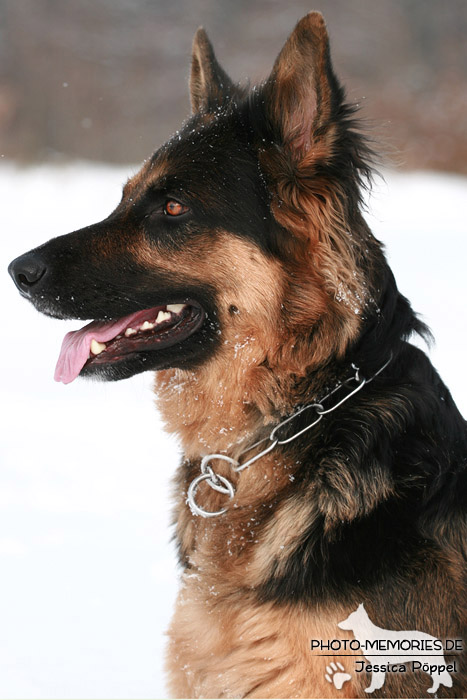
{"type": "Point", "coordinates": [207, 406]}
{"type": "Point", "coordinates": [291, 520]}
{"type": "Point", "coordinates": [228, 646]}
{"type": "Point", "coordinates": [150, 174]}
{"type": "Point", "coordinates": [223, 547]}
{"type": "Point", "coordinates": [265, 347]}
{"type": "Point", "coordinates": [223, 643]}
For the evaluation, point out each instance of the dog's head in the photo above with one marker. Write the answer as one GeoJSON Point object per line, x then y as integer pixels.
{"type": "Point", "coordinates": [241, 238]}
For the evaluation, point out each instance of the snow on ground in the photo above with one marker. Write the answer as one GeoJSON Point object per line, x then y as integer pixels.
{"type": "Point", "coordinates": [88, 574]}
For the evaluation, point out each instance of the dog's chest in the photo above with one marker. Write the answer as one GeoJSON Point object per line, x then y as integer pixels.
{"type": "Point", "coordinates": [232, 646]}
{"type": "Point", "coordinates": [223, 641]}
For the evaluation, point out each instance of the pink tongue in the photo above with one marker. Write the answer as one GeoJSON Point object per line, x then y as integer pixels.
{"type": "Point", "coordinates": [77, 344]}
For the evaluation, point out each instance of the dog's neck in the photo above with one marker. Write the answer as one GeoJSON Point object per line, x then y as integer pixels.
{"type": "Point", "coordinates": [207, 414]}
{"type": "Point", "coordinates": [235, 399]}
{"type": "Point", "coordinates": [232, 400]}
{"type": "Point", "coordinates": [211, 412]}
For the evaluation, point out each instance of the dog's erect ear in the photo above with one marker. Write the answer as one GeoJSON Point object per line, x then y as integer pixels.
{"type": "Point", "coordinates": [209, 83]}
{"type": "Point", "coordinates": [302, 89]}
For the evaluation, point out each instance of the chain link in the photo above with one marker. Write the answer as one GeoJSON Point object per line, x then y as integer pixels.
{"type": "Point", "coordinates": [223, 485]}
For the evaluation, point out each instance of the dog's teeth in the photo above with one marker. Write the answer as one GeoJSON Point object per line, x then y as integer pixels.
{"type": "Point", "coordinates": [163, 316]}
{"type": "Point", "coordinates": [147, 326]}
{"type": "Point", "coordinates": [175, 308]}
{"type": "Point", "coordinates": [130, 331]}
{"type": "Point", "coordinates": [97, 348]}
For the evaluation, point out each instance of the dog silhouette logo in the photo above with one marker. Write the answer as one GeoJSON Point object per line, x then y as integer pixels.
{"type": "Point", "coordinates": [369, 635]}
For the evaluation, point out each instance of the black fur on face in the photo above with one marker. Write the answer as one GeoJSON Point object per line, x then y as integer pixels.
{"type": "Point", "coordinates": [96, 273]}
{"type": "Point", "coordinates": [227, 170]}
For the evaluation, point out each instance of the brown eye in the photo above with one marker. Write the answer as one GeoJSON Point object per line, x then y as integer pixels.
{"type": "Point", "coordinates": [173, 208]}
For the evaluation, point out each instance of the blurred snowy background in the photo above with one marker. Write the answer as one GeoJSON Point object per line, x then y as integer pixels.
{"type": "Point", "coordinates": [106, 79]}
{"type": "Point", "coordinates": [87, 571]}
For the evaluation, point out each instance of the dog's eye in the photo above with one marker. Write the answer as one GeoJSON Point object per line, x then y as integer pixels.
{"type": "Point", "coordinates": [174, 208]}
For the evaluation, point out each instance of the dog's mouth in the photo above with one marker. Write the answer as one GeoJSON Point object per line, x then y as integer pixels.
{"type": "Point", "coordinates": [102, 343]}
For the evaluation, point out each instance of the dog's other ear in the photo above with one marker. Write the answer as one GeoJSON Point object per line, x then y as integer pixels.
{"type": "Point", "coordinates": [302, 91]}
{"type": "Point", "coordinates": [209, 83]}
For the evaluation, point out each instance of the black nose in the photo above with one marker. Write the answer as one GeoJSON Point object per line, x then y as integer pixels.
{"type": "Point", "coordinates": [27, 271]}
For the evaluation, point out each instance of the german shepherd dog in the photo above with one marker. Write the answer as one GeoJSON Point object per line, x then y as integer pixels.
{"type": "Point", "coordinates": [324, 459]}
